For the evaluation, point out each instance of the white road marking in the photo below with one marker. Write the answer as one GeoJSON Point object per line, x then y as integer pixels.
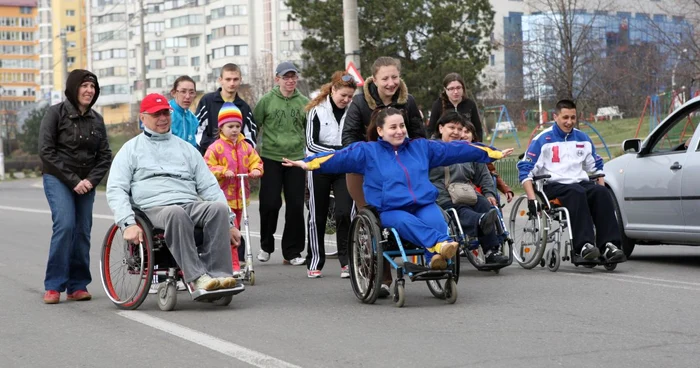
{"type": "Point", "coordinates": [641, 280]}
{"type": "Point", "coordinates": [253, 234]}
{"type": "Point", "coordinates": [238, 352]}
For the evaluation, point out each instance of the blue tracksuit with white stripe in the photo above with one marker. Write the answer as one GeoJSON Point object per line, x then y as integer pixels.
{"type": "Point", "coordinates": [397, 184]}
{"type": "Point", "coordinates": [569, 158]}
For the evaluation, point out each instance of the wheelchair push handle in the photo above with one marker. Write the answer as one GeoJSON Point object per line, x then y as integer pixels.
{"type": "Point", "coordinates": [596, 176]}
{"type": "Point", "coordinates": [540, 177]}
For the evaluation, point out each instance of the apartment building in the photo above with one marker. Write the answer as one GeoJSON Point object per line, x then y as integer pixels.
{"type": "Point", "coordinates": [62, 24]}
{"type": "Point", "coordinates": [19, 61]}
{"type": "Point", "coordinates": [184, 37]}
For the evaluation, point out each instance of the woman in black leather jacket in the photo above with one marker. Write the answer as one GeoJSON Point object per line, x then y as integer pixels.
{"type": "Point", "coordinates": [75, 155]}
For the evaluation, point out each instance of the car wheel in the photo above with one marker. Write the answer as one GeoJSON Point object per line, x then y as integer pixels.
{"type": "Point", "coordinates": [626, 243]}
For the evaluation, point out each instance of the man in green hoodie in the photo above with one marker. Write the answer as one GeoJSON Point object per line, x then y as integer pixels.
{"type": "Point", "coordinates": [280, 115]}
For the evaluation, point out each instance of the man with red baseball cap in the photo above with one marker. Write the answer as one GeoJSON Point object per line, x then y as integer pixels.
{"type": "Point", "coordinates": [164, 176]}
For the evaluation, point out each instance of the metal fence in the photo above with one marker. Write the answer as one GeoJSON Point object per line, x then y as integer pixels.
{"type": "Point", "coordinates": [508, 171]}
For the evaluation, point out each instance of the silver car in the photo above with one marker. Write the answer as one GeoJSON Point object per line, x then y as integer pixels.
{"type": "Point", "coordinates": [656, 183]}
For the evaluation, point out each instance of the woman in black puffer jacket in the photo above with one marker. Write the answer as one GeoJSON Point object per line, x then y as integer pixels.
{"type": "Point", "coordinates": [75, 155]}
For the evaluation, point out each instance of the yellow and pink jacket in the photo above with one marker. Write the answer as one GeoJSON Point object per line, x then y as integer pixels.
{"type": "Point", "coordinates": [239, 157]}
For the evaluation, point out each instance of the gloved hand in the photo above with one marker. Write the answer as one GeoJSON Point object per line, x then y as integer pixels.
{"type": "Point", "coordinates": [533, 206]}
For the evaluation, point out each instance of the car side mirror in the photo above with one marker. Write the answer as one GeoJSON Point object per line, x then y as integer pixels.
{"type": "Point", "coordinates": [632, 145]}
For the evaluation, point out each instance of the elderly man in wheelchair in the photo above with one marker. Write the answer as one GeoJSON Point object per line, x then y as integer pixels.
{"type": "Point", "coordinates": [163, 178]}
{"type": "Point", "coordinates": [564, 156]}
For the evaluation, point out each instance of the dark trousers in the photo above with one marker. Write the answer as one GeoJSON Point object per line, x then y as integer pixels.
{"type": "Point", "coordinates": [589, 204]}
{"type": "Point", "coordinates": [469, 218]}
{"type": "Point", "coordinates": [68, 266]}
{"type": "Point", "coordinates": [319, 191]}
{"type": "Point", "coordinates": [278, 178]}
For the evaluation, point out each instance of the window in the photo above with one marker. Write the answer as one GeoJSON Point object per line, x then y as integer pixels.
{"type": "Point", "coordinates": [154, 27]}
{"type": "Point", "coordinates": [70, 13]}
{"type": "Point", "coordinates": [493, 59]}
{"type": "Point", "coordinates": [672, 139]}
{"type": "Point", "coordinates": [194, 61]}
{"type": "Point", "coordinates": [235, 50]}
{"type": "Point", "coordinates": [26, 22]}
{"type": "Point", "coordinates": [176, 42]}
{"type": "Point", "coordinates": [240, 10]}
{"type": "Point", "coordinates": [232, 30]}
{"type": "Point", "coordinates": [287, 25]}
{"type": "Point", "coordinates": [25, 10]}
{"type": "Point", "coordinates": [184, 20]}
{"type": "Point", "coordinates": [290, 45]}
{"type": "Point", "coordinates": [70, 28]}
{"type": "Point", "coordinates": [155, 45]}
{"type": "Point", "coordinates": [176, 61]}
{"type": "Point", "coordinates": [117, 89]}
{"type": "Point", "coordinates": [153, 8]}
{"type": "Point", "coordinates": [194, 41]}
{"type": "Point", "coordinates": [71, 44]}
{"type": "Point", "coordinates": [71, 60]}
{"type": "Point", "coordinates": [155, 64]}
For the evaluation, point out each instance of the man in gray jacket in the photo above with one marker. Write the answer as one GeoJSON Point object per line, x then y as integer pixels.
{"type": "Point", "coordinates": [164, 176]}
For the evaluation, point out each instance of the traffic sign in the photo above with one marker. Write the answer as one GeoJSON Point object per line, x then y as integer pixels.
{"type": "Point", "coordinates": [352, 70]}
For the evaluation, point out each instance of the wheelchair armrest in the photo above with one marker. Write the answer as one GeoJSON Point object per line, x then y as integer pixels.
{"type": "Point", "coordinates": [596, 176]}
{"type": "Point", "coordinates": [540, 177]}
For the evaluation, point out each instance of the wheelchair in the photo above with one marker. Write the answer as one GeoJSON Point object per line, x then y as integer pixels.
{"type": "Point", "coordinates": [127, 270]}
{"type": "Point", "coordinates": [371, 245]}
{"type": "Point", "coordinates": [532, 233]}
{"type": "Point", "coordinates": [473, 251]}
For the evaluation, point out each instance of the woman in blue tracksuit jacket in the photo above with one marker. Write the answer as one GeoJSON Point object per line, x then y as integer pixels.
{"type": "Point", "coordinates": [184, 122]}
{"type": "Point", "coordinates": [397, 182]}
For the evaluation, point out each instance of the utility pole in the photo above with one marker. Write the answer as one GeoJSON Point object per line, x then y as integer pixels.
{"type": "Point", "coordinates": [64, 54]}
{"type": "Point", "coordinates": [143, 50]}
{"type": "Point", "coordinates": [2, 132]}
{"type": "Point", "coordinates": [351, 33]}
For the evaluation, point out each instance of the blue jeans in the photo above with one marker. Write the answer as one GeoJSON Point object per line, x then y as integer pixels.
{"type": "Point", "coordinates": [68, 267]}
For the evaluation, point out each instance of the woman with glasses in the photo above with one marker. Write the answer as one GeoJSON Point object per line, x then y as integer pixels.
{"type": "Point", "coordinates": [324, 124]}
{"type": "Point", "coordinates": [454, 98]}
{"type": "Point", "coordinates": [75, 156]}
{"type": "Point", "coordinates": [184, 122]}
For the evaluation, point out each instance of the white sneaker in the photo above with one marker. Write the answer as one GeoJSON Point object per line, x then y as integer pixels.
{"type": "Point", "coordinates": [297, 261]}
{"type": "Point", "coordinates": [263, 256]}
{"type": "Point", "coordinates": [345, 272]}
{"type": "Point", "coordinates": [154, 288]}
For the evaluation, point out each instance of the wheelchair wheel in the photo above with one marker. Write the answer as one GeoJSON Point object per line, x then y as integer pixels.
{"type": "Point", "coordinates": [223, 301]}
{"type": "Point", "coordinates": [399, 294]}
{"type": "Point", "coordinates": [126, 269]}
{"type": "Point", "coordinates": [451, 291]}
{"type": "Point", "coordinates": [436, 287]}
{"type": "Point", "coordinates": [167, 296]}
{"type": "Point", "coordinates": [366, 259]}
{"type": "Point", "coordinates": [528, 233]}
{"type": "Point", "coordinates": [553, 259]}
{"type": "Point", "coordinates": [610, 266]}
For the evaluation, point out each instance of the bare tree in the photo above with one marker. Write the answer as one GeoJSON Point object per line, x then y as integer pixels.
{"type": "Point", "coordinates": [562, 46]}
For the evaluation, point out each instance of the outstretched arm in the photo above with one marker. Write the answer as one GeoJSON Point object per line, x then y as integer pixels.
{"type": "Point", "coordinates": [348, 160]}
{"type": "Point", "coordinates": [444, 154]}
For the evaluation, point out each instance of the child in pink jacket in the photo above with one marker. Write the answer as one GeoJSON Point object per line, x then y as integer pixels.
{"type": "Point", "coordinates": [229, 156]}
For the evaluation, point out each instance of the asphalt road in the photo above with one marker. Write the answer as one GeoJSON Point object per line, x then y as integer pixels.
{"type": "Point", "coordinates": [641, 315]}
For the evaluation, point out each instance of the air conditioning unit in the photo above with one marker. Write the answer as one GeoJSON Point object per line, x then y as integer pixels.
{"type": "Point", "coordinates": [196, 68]}
{"type": "Point", "coordinates": [174, 51]}
{"type": "Point", "coordinates": [158, 34]}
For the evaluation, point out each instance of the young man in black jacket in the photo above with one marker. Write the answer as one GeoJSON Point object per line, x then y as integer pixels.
{"type": "Point", "coordinates": [210, 104]}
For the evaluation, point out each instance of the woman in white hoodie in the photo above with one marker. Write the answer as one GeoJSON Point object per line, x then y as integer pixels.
{"type": "Point", "coordinates": [324, 126]}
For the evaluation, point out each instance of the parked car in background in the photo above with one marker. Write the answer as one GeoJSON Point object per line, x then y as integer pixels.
{"type": "Point", "coordinates": [656, 184]}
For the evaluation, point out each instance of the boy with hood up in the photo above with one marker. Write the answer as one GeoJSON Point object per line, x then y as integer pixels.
{"type": "Point", "coordinates": [280, 114]}
{"type": "Point", "coordinates": [75, 156]}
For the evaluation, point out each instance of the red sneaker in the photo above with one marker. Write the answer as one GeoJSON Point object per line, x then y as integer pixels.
{"type": "Point", "coordinates": [80, 295]}
{"type": "Point", "coordinates": [52, 297]}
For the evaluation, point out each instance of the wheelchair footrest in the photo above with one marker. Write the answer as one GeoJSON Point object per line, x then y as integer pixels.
{"type": "Point", "coordinates": [202, 295]}
{"type": "Point", "coordinates": [432, 275]}
{"type": "Point", "coordinates": [414, 268]}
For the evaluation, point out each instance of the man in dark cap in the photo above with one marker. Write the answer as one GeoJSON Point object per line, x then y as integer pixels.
{"type": "Point", "coordinates": [281, 117]}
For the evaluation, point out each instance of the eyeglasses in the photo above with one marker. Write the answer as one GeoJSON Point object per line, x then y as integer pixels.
{"type": "Point", "coordinates": [160, 113]}
{"type": "Point", "coordinates": [347, 78]}
{"type": "Point", "coordinates": [454, 89]}
{"type": "Point", "coordinates": [185, 92]}
{"type": "Point", "coordinates": [290, 77]}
